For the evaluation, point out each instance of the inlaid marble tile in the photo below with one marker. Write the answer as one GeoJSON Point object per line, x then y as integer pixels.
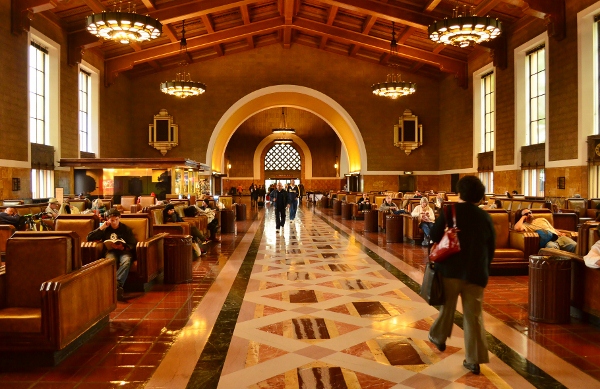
{"type": "Point", "coordinates": [370, 308]}
{"type": "Point", "coordinates": [303, 296]}
{"type": "Point", "coordinates": [310, 328]}
{"type": "Point", "coordinates": [294, 276]}
{"type": "Point", "coordinates": [321, 377]}
{"type": "Point", "coordinates": [330, 255]}
{"type": "Point", "coordinates": [339, 267]}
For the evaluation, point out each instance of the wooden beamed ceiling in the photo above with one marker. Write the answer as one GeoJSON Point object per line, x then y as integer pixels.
{"type": "Point", "coordinates": [359, 29]}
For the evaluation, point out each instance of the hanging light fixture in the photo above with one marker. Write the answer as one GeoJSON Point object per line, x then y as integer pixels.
{"type": "Point", "coordinates": [182, 86]}
{"type": "Point", "coordinates": [394, 87]}
{"type": "Point", "coordinates": [283, 141]}
{"type": "Point", "coordinates": [283, 128]}
{"type": "Point", "coordinates": [123, 26]}
{"type": "Point", "coordinates": [464, 29]}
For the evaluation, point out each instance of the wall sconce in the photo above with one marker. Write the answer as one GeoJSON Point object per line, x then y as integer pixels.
{"type": "Point", "coordinates": [408, 133]}
{"type": "Point", "coordinates": [335, 165]}
{"type": "Point", "coordinates": [228, 165]}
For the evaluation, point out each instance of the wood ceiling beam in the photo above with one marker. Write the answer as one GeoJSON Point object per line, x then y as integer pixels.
{"type": "Point", "coordinates": [288, 15]}
{"type": "Point", "coordinates": [354, 50]}
{"type": "Point", "coordinates": [22, 11]}
{"type": "Point", "coordinates": [245, 14]}
{"type": "Point", "coordinates": [323, 43]}
{"type": "Point", "coordinates": [368, 24]}
{"type": "Point", "coordinates": [556, 14]}
{"type": "Point", "coordinates": [332, 14]}
{"type": "Point", "coordinates": [445, 64]}
{"type": "Point", "coordinates": [95, 5]}
{"type": "Point", "coordinates": [196, 9]}
{"type": "Point", "coordinates": [77, 43]}
{"type": "Point", "coordinates": [169, 31]}
{"type": "Point", "coordinates": [526, 9]}
{"type": "Point", "coordinates": [219, 50]}
{"type": "Point", "coordinates": [431, 4]}
{"type": "Point", "coordinates": [486, 6]}
{"type": "Point", "coordinates": [125, 62]}
{"type": "Point", "coordinates": [149, 4]}
{"type": "Point", "coordinates": [250, 41]}
{"type": "Point", "coordinates": [208, 24]}
{"type": "Point", "coordinates": [385, 11]}
{"type": "Point", "coordinates": [404, 35]}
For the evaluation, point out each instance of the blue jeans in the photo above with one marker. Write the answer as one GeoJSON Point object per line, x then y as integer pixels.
{"type": "Point", "coordinates": [426, 227]}
{"type": "Point", "coordinates": [293, 208]}
{"type": "Point", "coordinates": [563, 243]}
{"type": "Point", "coordinates": [124, 263]}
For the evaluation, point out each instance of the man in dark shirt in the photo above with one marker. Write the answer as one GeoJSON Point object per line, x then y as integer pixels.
{"type": "Point", "coordinates": [280, 198]}
{"type": "Point", "coordinates": [10, 216]}
{"type": "Point", "coordinates": [113, 229]}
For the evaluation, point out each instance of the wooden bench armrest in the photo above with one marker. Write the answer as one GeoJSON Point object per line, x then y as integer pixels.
{"type": "Point", "coordinates": [527, 242]}
{"type": "Point", "coordinates": [74, 302]}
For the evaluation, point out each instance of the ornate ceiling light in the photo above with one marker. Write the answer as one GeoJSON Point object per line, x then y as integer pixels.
{"type": "Point", "coordinates": [283, 141]}
{"type": "Point", "coordinates": [124, 27]}
{"type": "Point", "coordinates": [394, 87]}
{"type": "Point", "coordinates": [183, 86]}
{"type": "Point", "coordinates": [283, 128]}
{"type": "Point", "coordinates": [464, 29]}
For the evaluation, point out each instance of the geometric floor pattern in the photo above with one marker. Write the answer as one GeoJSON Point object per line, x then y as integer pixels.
{"type": "Point", "coordinates": [320, 313]}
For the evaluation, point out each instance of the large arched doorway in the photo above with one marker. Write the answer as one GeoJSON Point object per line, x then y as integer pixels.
{"type": "Point", "coordinates": [293, 96]}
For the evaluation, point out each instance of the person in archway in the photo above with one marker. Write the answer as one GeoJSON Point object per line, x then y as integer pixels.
{"type": "Point", "coordinates": [293, 195]}
{"type": "Point", "coordinates": [279, 199]}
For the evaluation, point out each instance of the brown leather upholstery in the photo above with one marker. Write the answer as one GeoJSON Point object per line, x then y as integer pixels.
{"type": "Point", "coordinates": [512, 248]}
{"type": "Point", "coordinates": [82, 205]}
{"type": "Point", "coordinates": [129, 204]}
{"type": "Point", "coordinates": [49, 301]}
{"type": "Point", "coordinates": [548, 215]}
{"type": "Point", "coordinates": [82, 225]}
{"type": "Point", "coordinates": [580, 207]}
{"type": "Point", "coordinates": [76, 252]}
{"type": "Point", "coordinates": [147, 201]}
{"type": "Point", "coordinates": [6, 231]}
{"type": "Point", "coordinates": [149, 256]}
{"type": "Point", "coordinates": [593, 209]}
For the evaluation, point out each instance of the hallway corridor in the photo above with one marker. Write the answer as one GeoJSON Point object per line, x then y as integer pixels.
{"type": "Point", "coordinates": [317, 306]}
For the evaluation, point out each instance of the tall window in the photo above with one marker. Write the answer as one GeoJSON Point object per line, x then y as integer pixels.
{"type": "Point", "coordinates": [488, 86]}
{"type": "Point", "coordinates": [42, 183]}
{"type": "Point", "coordinates": [536, 72]}
{"type": "Point", "coordinates": [282, 157]}
{"type": "Point", "coordinates": [38, 82]}
{"type": "Point", "coordinates": [85, 81]}
{"type": "Point", "coordinates": [534, 182]}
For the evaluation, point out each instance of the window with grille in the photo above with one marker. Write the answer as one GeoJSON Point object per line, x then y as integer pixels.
{"type": "Point", "coordinates": [489, 116]}
{"type": "Point", "coordinates": [38, 82]}
{"type": "Point", "coordinates": [42, 183]}
{"type": "Point", "coordinates": [85, 81]}
{"type": "Point", "coordinates": [282, 157]}
{"type": "Point", "coordinates": [536, 72]}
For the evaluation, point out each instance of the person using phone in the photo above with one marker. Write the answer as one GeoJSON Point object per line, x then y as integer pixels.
{"type": "Point", "coordinates": [112, 229]}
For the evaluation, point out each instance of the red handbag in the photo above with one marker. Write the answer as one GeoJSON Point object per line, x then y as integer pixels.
{"type": "Point", "coordinates": [449, 244]}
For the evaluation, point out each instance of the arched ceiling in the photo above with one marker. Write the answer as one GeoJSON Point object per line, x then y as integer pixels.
{"type": "Point", "coordinates": [306, 124]}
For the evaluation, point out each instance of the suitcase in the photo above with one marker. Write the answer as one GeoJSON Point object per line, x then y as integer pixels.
{"type": "Point", "coordinates": [261, 203]}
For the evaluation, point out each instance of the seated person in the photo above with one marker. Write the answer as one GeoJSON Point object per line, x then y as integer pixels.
{"type": "Point", "coordinates": [205, 209]}
{"type": "Point", "coordinates": [424, 213]}
{"type": "Point", "coordinates": [439, 200]}
{"type": "Point", "coordinates": [417, 195]}
{"type": "Point", "coordinates": [363, 202]}
{"type": "Point", "coordinates": [389, 205]}
{"type": "Point", "coordinates": [54, 207]}
{"type": "Point", "coordinates": [592, 259]}
{"type": "Point", "coordinates": [99, 208]}
{"type": "Point", "coordinates": [171, 216]}
{"type": "Point", "coordinates": [549, 237]}
{"type": "Point", "coordinates": [112, 229]}
{"type": "Point", "coordinates": [12, 217]}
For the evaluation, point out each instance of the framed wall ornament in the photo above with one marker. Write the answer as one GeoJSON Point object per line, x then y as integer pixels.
{"type": "Point", "coordinates": [163, 135]}
{"type": "Point", "coordinates": [408, 133]}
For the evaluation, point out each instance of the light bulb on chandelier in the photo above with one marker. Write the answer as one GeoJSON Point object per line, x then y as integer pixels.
{"type": "Point", "coordinates": [123, 26]}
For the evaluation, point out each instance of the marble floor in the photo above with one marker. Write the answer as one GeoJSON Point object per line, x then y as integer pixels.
{"type": "Point", "coordinates": [320, 305]}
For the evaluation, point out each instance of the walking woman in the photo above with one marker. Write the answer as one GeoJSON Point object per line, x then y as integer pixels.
{"type": "Point", "coordinates": [466, 273]}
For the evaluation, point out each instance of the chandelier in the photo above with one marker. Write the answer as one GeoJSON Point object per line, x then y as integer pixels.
{"type": "Point", "coordinates": [283, 128]}
{"type": "Point", "coordinates": [464, 29]}
{"type": "Point", "coordinates": [183, 86]}
{"type": "Point", "coordinates": [124, 27]}
{"type": "Point", "coordinates": [394, 87]}
{"type": "Point", "coordinates": [283, 141]}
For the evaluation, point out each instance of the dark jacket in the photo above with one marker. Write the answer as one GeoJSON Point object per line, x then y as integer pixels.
{"type": "Point", "coordinates": [14, 220]}
{"type": "Point", "coordinates": [122, 232]}
{"type": "Point", "coordinates": [293, 193]}
{"type": "Point", "coordinates": [280, 198]}
{"type": "Point", "coordinates": [477, 238]}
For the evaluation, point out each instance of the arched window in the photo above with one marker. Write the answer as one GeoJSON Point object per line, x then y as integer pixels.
{"type": "Point", "coordinates": [282, 157]}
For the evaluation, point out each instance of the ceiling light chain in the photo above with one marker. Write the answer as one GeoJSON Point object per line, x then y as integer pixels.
{"type": "Point", "coordinates": [394, 87]}
{"type": "Point", "coordinates": [464, 29]}
{"type": "Point", "coordinates": [123, 27]}
{"type": "Point", "coordinates": [283, 127]}
{"type": "Point", "coordinates": [183, 86]}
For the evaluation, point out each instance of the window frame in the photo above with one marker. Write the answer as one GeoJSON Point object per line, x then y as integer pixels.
{"type": "Point", "coordinates": [94, 108]}
{"type": "Point", "coordinates": [289, 148]}
{"type": "Point", "coordinates": [533, 97]}
{"type": "Point", "coordinates": [42, 183]}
